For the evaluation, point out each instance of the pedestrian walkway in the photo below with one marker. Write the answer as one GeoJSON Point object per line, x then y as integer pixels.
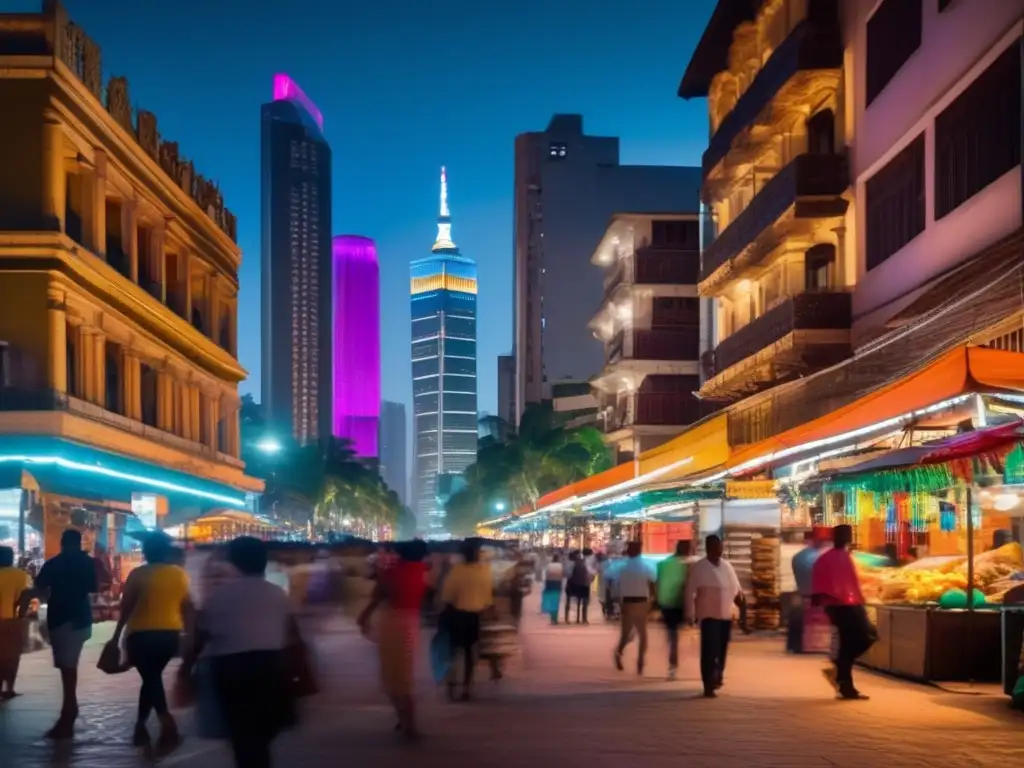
{"type": "Point", "coordinates": [564, 704]}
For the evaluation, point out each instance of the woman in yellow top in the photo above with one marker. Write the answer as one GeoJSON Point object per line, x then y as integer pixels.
{"type": "Point", "coordinates": [468, 591]}
{"type": "Point", "coordinates": [156, 607]}
{"type": "Point", "coordinates": [14, 586]}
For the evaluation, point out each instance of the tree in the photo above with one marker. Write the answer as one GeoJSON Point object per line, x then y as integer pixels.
{"type": "Point", "coordinates": [541, 456]}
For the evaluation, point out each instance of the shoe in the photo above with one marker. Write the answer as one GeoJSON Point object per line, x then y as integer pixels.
{"type": "Point", "coordinates": [720, 682]}
{"type": "Point", "coordinates": [639, 670]}
{"type": "Point", "coordinates": [61, 730]}
{"type": "Point", "coordinates": [618, 661]}
{"type": "Point", "coordinates": [140, 738]}
{"type": "Point", "coordinates": [852, 695]}
{"type": "Point", "coordinates": [710, 694]}
{"type": "Point", "coordinates": [672, 674]}
{"type": "Point", "coordinates": [830, 675]}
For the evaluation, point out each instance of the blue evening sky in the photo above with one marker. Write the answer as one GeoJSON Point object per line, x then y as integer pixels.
{"type": "Point", "coordinates": [405, 86]}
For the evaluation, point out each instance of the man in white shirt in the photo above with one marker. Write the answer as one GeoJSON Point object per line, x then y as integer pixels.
{"type": "Point", "coordinates": [635, 580]}
{"type": "Point", "coordinates": [712, 590]}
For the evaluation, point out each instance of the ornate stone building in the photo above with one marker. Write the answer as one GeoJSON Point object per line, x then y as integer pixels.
{"type": "Point", "coordinates": [118, 293]}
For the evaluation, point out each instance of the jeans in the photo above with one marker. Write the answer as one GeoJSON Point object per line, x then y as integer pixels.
{"type": "Point", "coordinates": [714, 645]}
{"type": "Point", "coordinates": [255, 703]}
{"type": "Point", "coordinates": [150, 653]}
{"type": "Point", "coordinates": [673, 618]}
{"type": "Point", "coordinates": [856, 636]}
{"type": "Point", "coordinates": [634, 619]}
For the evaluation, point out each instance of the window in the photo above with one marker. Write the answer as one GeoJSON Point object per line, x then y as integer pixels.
{"type": "Point", "coordinates": [114, 395]}
{"type": "Point", "coordinates": [557, 150]}
{"type": "Point", "coordinates": [977, 137]}
{"type": "Point", "coordinates": [894, 34]}
{"type": "Point", "coordinates": [895, 204]}
{"type": "Point", "coordinates": [821, 133]}
{"type": "Point", "coordinates": [817, 263]}
{"type": "Point", "coordinates": [149, 377]}
{"type": "Point", "coordinates": [675, 234]}
{"type": "Point", "coordinates": [71, 358]}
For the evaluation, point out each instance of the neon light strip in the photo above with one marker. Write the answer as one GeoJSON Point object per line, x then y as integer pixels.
{"type": "Point", "coordinates": [97, 470]}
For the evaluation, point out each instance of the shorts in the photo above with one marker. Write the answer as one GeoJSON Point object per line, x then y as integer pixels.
{"type": "Point", "coordinates": [66, 642]}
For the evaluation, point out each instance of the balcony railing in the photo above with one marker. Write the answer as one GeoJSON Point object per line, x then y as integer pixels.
{"type": "Point", "coordinates": [814, 43]}
{"type": "Point", "coordinates": [665, 344]}
{"type": "Point", "coordinates": [811, 175]}
{"type": "Point", "coordinates": [654, 409]}
{"type": "Point", "coordinates": [656, 266]}
{"type": "Point", "coordinates": [806, 311]}
{"type": "Point", "coordinates": [13, 400]}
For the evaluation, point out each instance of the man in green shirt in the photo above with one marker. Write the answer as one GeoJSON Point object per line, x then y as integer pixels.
{"type": "Point", "coordinates": [671, 581]}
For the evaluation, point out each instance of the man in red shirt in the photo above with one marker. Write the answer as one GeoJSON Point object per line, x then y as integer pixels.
{"type": "Point", "coordinates": [836, 587]}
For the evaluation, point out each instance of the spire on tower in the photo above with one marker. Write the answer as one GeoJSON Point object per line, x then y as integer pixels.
{"type": "Point", "coordinates": [444, 224]}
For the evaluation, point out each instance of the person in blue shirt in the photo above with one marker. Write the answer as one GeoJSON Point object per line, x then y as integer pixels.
{"type": "Point", "coordinates": [803, 568]}
{"type": "Point", "coordinates": [635, 579]}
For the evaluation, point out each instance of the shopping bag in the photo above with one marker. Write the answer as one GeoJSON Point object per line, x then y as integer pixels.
{"type": "Point", "coordinates": [111, 660]}
{"type": "Point", "coordinates": [440, 656]}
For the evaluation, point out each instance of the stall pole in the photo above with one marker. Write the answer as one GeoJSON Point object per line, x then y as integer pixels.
{"type": "Point", "coordinates": [969, 633]}
{"type": "Point", "coordinates": [22, 514]}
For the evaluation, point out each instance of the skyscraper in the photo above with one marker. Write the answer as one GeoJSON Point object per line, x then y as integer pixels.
{"type": "Point", "coordinates": [296, 266]}
{"type": "Point", "coordinates": [391, 448]}
{"type": "Point", "coordinates": [443, 288]}
{"type": "Point", "coordinates": [567, 186]}
{"type": "Point", "coordinates": [356, 399]}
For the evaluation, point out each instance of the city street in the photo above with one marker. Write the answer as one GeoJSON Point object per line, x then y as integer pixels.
{"type": "Point", "coordinates": [563, 704]}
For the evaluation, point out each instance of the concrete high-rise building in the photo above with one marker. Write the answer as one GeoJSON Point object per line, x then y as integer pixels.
{"type": "Point", "coordinates": [567, 186]}
{"type": "Point", "coordinates": [391, 448]}
{"type": "Point", "coordinates": [507, 390]}
{"type": "Point", "coordinates": [443, 289]}
{"type": "Point", "coordinates": [356, 399]}
{"type": "Point", "coordinates": [296, 367]}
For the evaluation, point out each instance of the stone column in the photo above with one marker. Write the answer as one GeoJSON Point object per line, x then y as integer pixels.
{"type": "Point", "coordinates": [94, 220]}
{"type": "Point", "coordinates": [57, 368]}
{"type": "Point", "coordinates": [212, 304]}
{"type": "Point", "coordinates": [130, 236]}
{"type": "Point", "coordinates": [99, 342]}
{"type": "Point", "coordinates": [839, 277]}
{"type": "Point", "coordinates": [132, 385]}
{"type": "Point", "coordinates": [213, 412]}
{"type": "Point", "coordinates": [186, 276]}
{"type": "Point", "coordinates": [55, 184]}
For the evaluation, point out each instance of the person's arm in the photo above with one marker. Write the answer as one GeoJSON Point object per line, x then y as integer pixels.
{"type": "Point", "coordinates": [129, 601]}
{"type": "Point", "coordinates": [379, 596]}
{"type": "Point", "coordinates": [690, 592]}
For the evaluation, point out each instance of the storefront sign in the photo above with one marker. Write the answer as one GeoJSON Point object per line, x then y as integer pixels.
{"type": "Point", "coordinates": [750, 489]}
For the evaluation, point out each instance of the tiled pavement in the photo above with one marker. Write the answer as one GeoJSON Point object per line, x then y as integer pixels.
{"type": "Point", "coordinates": [563, 704]}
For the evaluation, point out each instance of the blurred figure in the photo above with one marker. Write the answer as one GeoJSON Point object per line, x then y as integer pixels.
{"type": "Point", "coordinates": [635, 582]}
{"type": "Point", "coordinates": [245, 625]}
{"type": "Point", "coordinates": [68, 580]}
{"type": "Point", "coordinates": [712, 589]}
{"type": "Point", "coordinates": [604, 596]}
{"type": "Point", "coordinates": [156, 607]}
{"type": "Point", "coordinates": [552, 596]}
{"type": "Point", "coordinates": [14, 591]}
{"type": "Point", "coordinates": [468, 592]}
{"type": "Point", "coordinates": [803, 573]}
{"type": "Point", "coordinates": [670, 592]}
{"type": "Point", "coordinates": [399, 598]}
{"type": "Point", "coordinates": [836, 587]}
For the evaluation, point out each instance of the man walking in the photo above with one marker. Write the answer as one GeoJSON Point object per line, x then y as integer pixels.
{"type": "Point", "coordinates": [711, 592]}
{"type": "Point", "coordinates": [835, 587]}
{"type": "Point", "coordinates": [68, 579]}
{"type": "Point", "coordinates": [635, 581]}
{"type": "Point", "coordinates": [803, 568]}
{"type": "Point", "coordinates": [671, 583]}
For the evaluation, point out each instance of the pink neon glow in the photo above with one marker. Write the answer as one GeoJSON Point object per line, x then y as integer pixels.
{"type": "Point", "coordinates": [286, 89]}
{"type": "Point", "coordinates": [356, 393]}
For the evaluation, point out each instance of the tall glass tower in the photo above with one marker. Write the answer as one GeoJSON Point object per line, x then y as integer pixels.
{"type": "Point", "coordinates": [296, 364]}
{"type": "Point", "coordinates": [443, 289]}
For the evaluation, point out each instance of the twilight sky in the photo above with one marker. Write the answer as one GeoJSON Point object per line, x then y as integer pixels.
{"type": "Point", "coordinates": [405, 86]}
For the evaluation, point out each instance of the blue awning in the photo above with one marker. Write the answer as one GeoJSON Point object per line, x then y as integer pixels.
{"type": "Point", "coordinates": [73, 469]}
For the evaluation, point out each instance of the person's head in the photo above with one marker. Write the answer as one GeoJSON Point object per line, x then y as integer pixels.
{"type": "Point", "coordinates": [412, 551]}
{"type": "Point", "coordinates": [470, 550]}
{"type": "Point", "coordinates": [682, 548]}
{"type": "Point", "coordinates": [556, 558]}
{"type": "Point", "coordinates": [157, 548]}
{"type": "Point", "coordinates": [71, 541]}
{"type": "Point", "coordinates": [634, 549]}
{"type": "Point", "coordinates": [713, 547]}
{"type": "Point", "coordinates": [588, 552]}
{"type": "Point", "coordinates": [6, 557]}
{"type": "Point", "coordinates": [842, 536]}
{"type": "Point", "coordinates": [248, 555]}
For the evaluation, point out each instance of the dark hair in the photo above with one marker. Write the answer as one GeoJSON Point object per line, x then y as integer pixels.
{"type": "Point", "coordinates": [634, 549]}
{"type": "Point", "coordinates": [248, 555]}
{"type": "Point", "coordinates": [6, 557]}
{"type": "Point", "coordinates": [470, 550]}
{"type": "Point", "coordinates": [71, 540]}
{"type": "Point", "coordinates": [156, 548]}
{"type": "Point", "coordinates": [712, 539]}
{"type": "Point", "coordinates": [587, 552]}
{"type": "Point", "coordinates": [842, 535]}
{"type": "Point", "coordinates": [412, 551]}
{"type": "Point", "coordinates": [682, 548]}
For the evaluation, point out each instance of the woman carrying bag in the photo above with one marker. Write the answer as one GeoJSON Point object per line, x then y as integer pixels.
{"type": "Point", "coordinates": [156, 609]}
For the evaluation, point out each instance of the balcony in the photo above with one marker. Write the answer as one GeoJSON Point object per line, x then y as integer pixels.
{"type": "Point", "coordinates": [815, 44]}
{"type": "Point", "coordinates": [658, 344]}
{"type": "Point", "coordinates": [804, 312]}
{"type": "Point", "coordinates": [656, 266]}
{"type": "Point", "coordinates": [653, 409]}
{"type": "Point", "coordinates": [822, 179]}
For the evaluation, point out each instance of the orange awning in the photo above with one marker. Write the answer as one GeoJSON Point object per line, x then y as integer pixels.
{"type": "Point", "coordinates": [961, 371]}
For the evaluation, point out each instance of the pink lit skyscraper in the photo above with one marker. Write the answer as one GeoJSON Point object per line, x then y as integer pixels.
{"type": "Point", "coordinates": [356, 394]}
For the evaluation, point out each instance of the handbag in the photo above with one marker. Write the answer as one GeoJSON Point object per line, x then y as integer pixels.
{"type": "Point", "coordinates": [112, 661]}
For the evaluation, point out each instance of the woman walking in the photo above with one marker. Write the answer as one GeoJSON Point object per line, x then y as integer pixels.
{"type": "Point", "coordinates": [399, 597]}
{"type": "Point", "coordinates": [245, 627]}
{"type": "Point", "coordinates": [468, 592]}
{"type": "Point", "coordinates": [552, 595]}
{"type": "Point", "coordinates": [156, 608]}
{"type": "Point", "coordinates": [14, 591]}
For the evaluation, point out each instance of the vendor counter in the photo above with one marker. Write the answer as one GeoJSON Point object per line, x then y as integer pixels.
{"type": "Point", "coordinates": [937, 645]}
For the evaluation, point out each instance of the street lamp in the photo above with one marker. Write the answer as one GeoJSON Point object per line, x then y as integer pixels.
{"type": "Point", "coordinates": [268, 445]}
{"type": "Point", "coordinates": [499, 506]}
